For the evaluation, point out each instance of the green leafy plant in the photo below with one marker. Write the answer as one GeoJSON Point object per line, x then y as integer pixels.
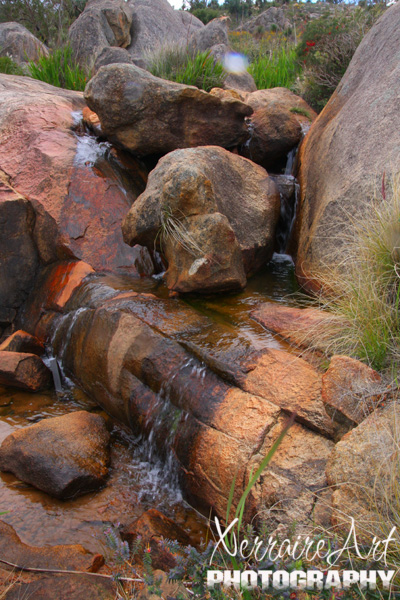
{"type": "Point", "coordinates": [176, 63]}
{"type": "Point", "coordinates": [59, 69]}
{"type": "Point", "coordinates": [9, 67]}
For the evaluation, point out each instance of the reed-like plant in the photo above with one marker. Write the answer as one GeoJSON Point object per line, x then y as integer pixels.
{"type": "Point", "coordinates": [60, 69]}
{"type": "Point", "coordinates": [9, 67]}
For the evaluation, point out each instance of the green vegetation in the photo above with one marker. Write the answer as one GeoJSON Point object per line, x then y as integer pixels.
{"type": "Point", "coordinates": [298, 110]}
{"type": "Point", "coordinates": [175, 63]}
{"type": "Point", "coordinates": [9, 67]}
{"type": "Point", "coordinates": [48, 20]}
{"type": "Point", "coordinates": [278, 69]}
{"type": "Point", "coordinates": [326, 49]}
{"type": "Point", "coordinates": [365, 292]}
{"type": "Point", "coordinates": [59, 69]}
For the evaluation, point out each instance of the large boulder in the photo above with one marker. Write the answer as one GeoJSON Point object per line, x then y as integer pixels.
{"type": "Point", "coordinates": [127, 100]}
{"type": "Point", "coordinates": [20, 44]}
{"type": "Point", "coordinates": [355, 139]}
{"type": "Point", "coordinates": [103, 23]}
{"type": "Point", "coordinates": [213, 214]}
{"type": "Point", "coordinates": [277, 125]}
{"type": "Point", "coordinates": [65, 194]}
{"type": "Point", "coordinates": [156, 25]}
{"type": "Point", "coordinates": [63, 456]}
{"type": "Point", "coordinates": [213, 34]}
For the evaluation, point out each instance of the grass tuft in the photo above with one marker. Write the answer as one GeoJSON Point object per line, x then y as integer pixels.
{"type": "Point", "coordinates": [59, 69]}
{"type": "Point", "coordinates": [176, 63]}
{"type": "Point", "coordinates": [364, 292]}
{"type": "Point", "coordinates": [278, 68]}
{"type": "Point", "coordinates": [9, 67]}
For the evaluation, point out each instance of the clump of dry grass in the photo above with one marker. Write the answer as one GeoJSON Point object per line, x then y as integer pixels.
{"type": "Point", "coordinates": [363, 293]}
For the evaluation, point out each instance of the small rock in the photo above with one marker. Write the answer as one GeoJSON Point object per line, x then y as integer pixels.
{"type": "Point", "coordinates": [63, 456]}
{"type": "Point", "coordinates": [152, 526]}
{"type": "Point", "coordinates": [24, 371]}
{"type": "Point", "coordinates": [21, 341]}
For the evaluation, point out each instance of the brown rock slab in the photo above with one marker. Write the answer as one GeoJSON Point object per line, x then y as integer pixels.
{"type": "Point", "coordinates": [350, 390]}
{"type": "Point", "coordinates": [354, 140]}
{"type": "Point", "coordinates": [74, 557]}
{"type": "Point", "coordinates": [63, 456]}
{"type": "Point", "coordinates": [21, 341]}
{"type": "Point", "coordinates": [276, 129]}
{"type": "Point", "coordinates": [303, 327]}
{"type": "Point", "coordinates": [292, 384]}
{"type": "Point", "coordinates": [24, 371]}
{"type": "Point", "coordinates": [64, 587]}
{"type": "Point", "coordinates": [152, 526]}
{"type": "Point", "coordinates": [127, 100]}
{"type": "Point", "coordinates": [213, 214]}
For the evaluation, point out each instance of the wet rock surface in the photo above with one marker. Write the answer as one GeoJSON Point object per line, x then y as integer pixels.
{"type": "Point", "coordinates": [63, 456]}
{"type": "Point", "coordinates": [64, 193]}
{"type": "Point", "coordinates": [213, 214]}
{"type": "Point", "coordinates": [73, 557]}
{"type": "Point", "coordinates": [21, 341]}
{"type": "Point", "coordinates": [127, 100]}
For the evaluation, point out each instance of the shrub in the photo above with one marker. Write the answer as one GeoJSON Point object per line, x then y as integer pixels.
{"type": "Point", "coordinates": [48, 20]}
{"type": "Point", "coordinates": [59, 69]}
{"type": "Point", "coordinates": [9, 67]}
{"type": "Point", "coordinates": [176, 63]}
{"type": "Point", "coordinates": [277, 69]}
{"type": "Point", "coordinates": [365, 292]}
{"type": "Point", "coordinates": [206, 14]}
{"type": "Point", "coordinates": [326, 49]}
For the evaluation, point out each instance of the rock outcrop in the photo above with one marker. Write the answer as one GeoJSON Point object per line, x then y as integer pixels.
{"type": "Point", "coordinates": [63, 456]}
{"type": "Point", "coordinates": [277, 125]}
{"type": "Point", "coordinates": [125, 349]}
{"type": "Point", "coordinates": [127, 100]}
{"type": "Point", "coordinates": [20, 44]}
{"type": "Point", "coordinates": [213, 214]}
{"type": "Point", "coordinates": [213, 34]}
{"type": "Point", "coordinates": [21, 341]}
{"type": "Point", "coordinates": [354, 141]}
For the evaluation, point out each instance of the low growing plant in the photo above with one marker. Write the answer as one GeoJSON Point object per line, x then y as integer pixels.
{"type": "Point", "coordinates": [59, 69]}
{"type": "Point", "coordinates": [9, 67]}
{"type": "Point", "coordinates": [279, 68]}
